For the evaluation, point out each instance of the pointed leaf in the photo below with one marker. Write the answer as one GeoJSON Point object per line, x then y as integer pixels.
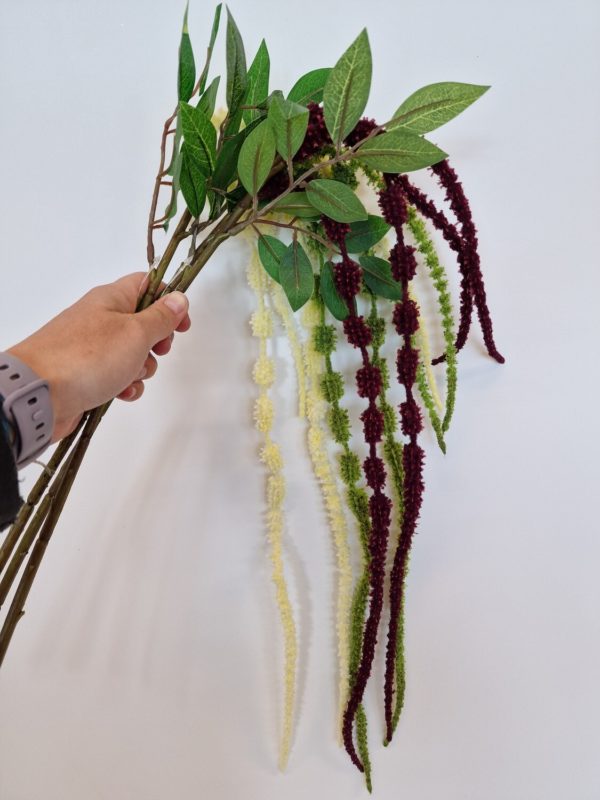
{"type": "Point", "coordinates": [329, 293]}
{"type": "Point", "coordinates": [296, 276]}
{"type": "Point", "coordinates": [258, 83]}
{"type": "Point", "coordinates": [207, 102]}
{"type": "Point", "coordinates": [399, 151]}
{"type": "Point", "coordinates": [200, 136]}
{"type": "Point", "coordinates": [336, 200]}
{"type": "Point", "coordinates": [226, 164]}
{"type": "Point", "coordinates": [296, 204]}
{"type": "Point", "coordinates": [433, 105]}
{"type": "Point", "coordinates": [236, 66]}
{"type": "Point", "coordinates": [309, 88]}
{"type": "Point", "coordinates": [289, 121]}
{"type": "Point", "coordinates": [347, 89]}
{"type": "Point", "coordinates": [186, 74]}
{"type": "Point", "coordinates": [271, 251]}
{"type": "Point", "coordinates": [256, 157]}
{"type": "Point", "coordinates": [377, 274]}
{"type": "Point", "coordinates": [211, 44]}
{"type": "Point", "coordinates": [365, 234]}
{"type": "Point", "coordinates": [193, 182]}
{"type": "Point", "coordinates": [174, 171]}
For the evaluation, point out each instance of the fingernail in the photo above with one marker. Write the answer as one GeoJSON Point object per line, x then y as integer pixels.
{"type": "Point", "coordinates": [177, 302]}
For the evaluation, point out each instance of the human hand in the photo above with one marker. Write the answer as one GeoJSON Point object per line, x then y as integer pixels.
{"type": "Point", "coordinates": [99, 348]}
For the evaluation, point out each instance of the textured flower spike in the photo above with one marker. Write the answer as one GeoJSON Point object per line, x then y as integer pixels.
{"type": "Point", "coordinates": [393, 457]}
{"type": "Point", "coordinates": [438, 276]}
{"type": "Point", "coordinates": [316, 412]}
{"type": "Point", "coordinates": [348, 277]}
{"type": "Point", "coordinates": [264, 374]}
{"type": "Point", "coordinates": [332, 388]}
{"type": "Point", "coordinates": [462, 210]}
{"type": "Point", "coordinates": [392, 201]}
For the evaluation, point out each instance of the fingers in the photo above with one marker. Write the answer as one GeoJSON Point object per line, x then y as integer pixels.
{"type": "Point", "coordinates": [149, 368]}
{"type": "Point", "coordinates": [133, 392]}
{"type": "Point", "coordinates": [136, 389]}
{"type": "Point", "coordinates": [163, 317]}
{"type": "Point", "coordinates": [162, 348]}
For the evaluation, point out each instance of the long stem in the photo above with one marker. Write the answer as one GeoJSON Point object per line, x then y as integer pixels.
{"type": "Point", "coordinates": [64, 482]}
{"type": "Point", "coordinates": [34, 496]}
{"type": "Point", "coordinates": [16, 609]}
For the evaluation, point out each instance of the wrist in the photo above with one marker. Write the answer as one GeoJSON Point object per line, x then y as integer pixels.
{"type": "Point", "coordinates": [27, 413]}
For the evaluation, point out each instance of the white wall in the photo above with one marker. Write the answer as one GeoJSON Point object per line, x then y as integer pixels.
{"type": "Point", "coordinates": [147, 663]}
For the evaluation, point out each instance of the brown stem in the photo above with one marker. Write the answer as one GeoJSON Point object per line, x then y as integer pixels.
{"type": "Point", "coordinates": [304, 231]}
{"type": "Point", "coordinates": [157, 273]}
{"type": "Point", "coordinates": [157, 182]}
{"type": "Point", "coordinates": [71, 468]}
{"type": "Point", "coordinates": [33, 498]}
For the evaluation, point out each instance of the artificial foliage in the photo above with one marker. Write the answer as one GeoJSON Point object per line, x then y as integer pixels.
{"type": "Point", "coordinates": [290, 170]}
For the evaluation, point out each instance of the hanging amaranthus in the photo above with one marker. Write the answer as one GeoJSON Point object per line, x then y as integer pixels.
{"type": "Point", "coordinates": [285, 169]}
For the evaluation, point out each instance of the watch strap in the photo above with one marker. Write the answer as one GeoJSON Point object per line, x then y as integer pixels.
{"type": "Point", "coordinates": [27, 404]}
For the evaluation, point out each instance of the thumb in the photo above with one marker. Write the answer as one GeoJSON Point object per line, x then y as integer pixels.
{"type": "Point", "coordinates": [162, 317]}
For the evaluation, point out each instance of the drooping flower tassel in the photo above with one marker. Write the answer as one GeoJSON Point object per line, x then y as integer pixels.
{"type": "Point", "coordinates": [348, 276]}
{"type": "Point", "coordinates": [332, 387]}
{"type": "Point", "coordinates": [462, 210]}
{"type": "Point", "coordinates": [282, 306]}
{"type": "Point", "coordinates": [316, 412]}
{"type": "Point", "coordinates": [440, 281]}
{"type": "Point", "coordinates": [264, 375]}
{"type": "Point", "coordinates": [406, 320]}
{"type": "Point", "coordinates": [392, 449]}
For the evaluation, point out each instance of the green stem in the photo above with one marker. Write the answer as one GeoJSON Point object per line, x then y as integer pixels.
{"type": "Point", "coordinates": [16, 529]}
{"type": "Point", "coordinates": [56, 505]}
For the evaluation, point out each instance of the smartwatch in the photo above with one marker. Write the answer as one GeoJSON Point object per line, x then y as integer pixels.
{"type": "Point", "coordinates": [27, 407]}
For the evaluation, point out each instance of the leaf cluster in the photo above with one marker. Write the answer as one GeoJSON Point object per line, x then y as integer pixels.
{"type": "Point", "coordinates": [253, 154]}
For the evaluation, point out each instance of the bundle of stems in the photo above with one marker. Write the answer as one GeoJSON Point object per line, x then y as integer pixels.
{"type": "Point", "coordinates": [41, 511]}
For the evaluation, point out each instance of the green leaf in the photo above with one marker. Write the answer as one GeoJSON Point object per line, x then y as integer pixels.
{"type": "Point", "coordinates": [347, 89]}
{"type": "Point", "coordinates": [186, 75]}
{"type": "Point", "coordinates": [211, 44]}
{"type": "Point", "coordinates": [330, 294]}
{"type": "Point", "coordinates": [377, 274]}
{"type": "Point", "coordinates": [256, 157]}
{"type": "Point", "coordinates": [236, 66]}
{"type": "Point", "coordinates": [192, 181]}
{"type": "Point", "coordinates": [200, 136]}
{"type": "Point", "coordinates": [258, 83]}
{"type": "Point", "coordinates": [271, 251]}
{"type": "Point", "coordinates": [289, 121]}
{"type": "Point", "coordinates": [296, 275]}
{"type": "Point", "coordinates": [433, 105]}
{"type": "Point", "coordinates": [363, 235]}
{"type": "Point", "coordinates": [399, 151]}
{"type": "Point", "coordinates": [296, 204]}
{"type": "Point", "coordinates": [335, 200]}
{"type": "Point", "coordinates": [207, 102]}
{"type": "Point", "coordinates": [226, 164]}
{"type": "Point", "coordinates": [174, 171]}
{"type": "Point", "coordinates": [309, 88]}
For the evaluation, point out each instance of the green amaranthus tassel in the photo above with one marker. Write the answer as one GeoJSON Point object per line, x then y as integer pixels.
{"type": "Point", "coordinates": [332, 387]}
{"type": "Point", "coordinates": [438, 276]}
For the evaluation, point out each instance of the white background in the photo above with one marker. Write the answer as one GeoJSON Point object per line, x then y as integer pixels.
{"type": "Point", "coordinates": [147, 664]}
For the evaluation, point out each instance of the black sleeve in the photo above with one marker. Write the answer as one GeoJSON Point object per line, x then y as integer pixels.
{"type": "Point", "coordinates": [10, 500]}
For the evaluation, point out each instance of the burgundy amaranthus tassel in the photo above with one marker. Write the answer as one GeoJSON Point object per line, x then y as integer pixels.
{"type": "Point", "coordinates": [460, 206]}
{"type": "Point", "coordinates": [393, 204]}
{"type": "Point", "coordinates": [472, 287]}
{"type": "Point", "coordinates": [317, 135]}
{"type": "Point", "coordinates": [428, 209]}
{"type": "Point", "coordinates": [368, 379]}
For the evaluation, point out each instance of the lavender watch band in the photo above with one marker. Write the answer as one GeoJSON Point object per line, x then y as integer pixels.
{"type": "Point", "coordinates": [27, 404]}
